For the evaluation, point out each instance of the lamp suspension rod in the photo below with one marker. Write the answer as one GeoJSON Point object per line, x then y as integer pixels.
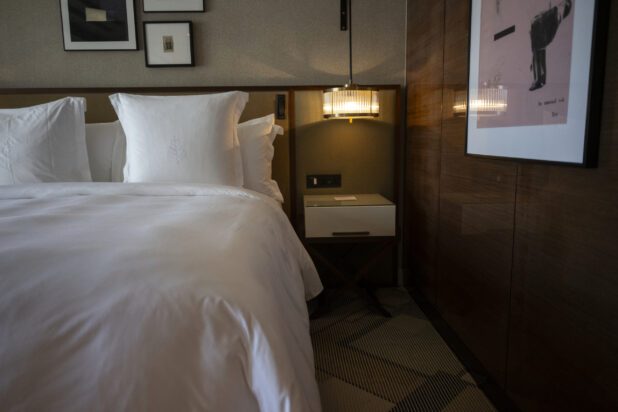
{"type": "Point", "coordinates": [350, 35]}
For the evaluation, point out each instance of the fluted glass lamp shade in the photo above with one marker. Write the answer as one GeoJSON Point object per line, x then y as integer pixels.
{"type": "Point", "coordinates": [351, 102]}
{"type": "Point", "coordinates": [489, 101]}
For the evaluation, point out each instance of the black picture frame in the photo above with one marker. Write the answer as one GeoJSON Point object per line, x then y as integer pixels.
{"type": "Point", "coordinates": [172, 6]}
{"type": "Point", "coordinates": [96, 25]}
{"type": "Point", "coordinates": [587, 119]}
{"type": "Point", "coordinates": [171, 41]}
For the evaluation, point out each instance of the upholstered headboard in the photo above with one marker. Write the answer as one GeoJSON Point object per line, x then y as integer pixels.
{"type": "Point", "coordinates": [366, 152]}
{"type": "Point", "coordinates": [99, 110]}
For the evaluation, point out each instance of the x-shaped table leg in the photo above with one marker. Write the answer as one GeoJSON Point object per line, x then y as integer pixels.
{"type": "Point", "coordinates": [351, 282]}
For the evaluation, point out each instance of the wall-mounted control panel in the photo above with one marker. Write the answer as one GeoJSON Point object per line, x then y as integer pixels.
{"type": "Point", "coordinates": [280, 109]}
{"type": "Point", "coordinates": [318, 181]}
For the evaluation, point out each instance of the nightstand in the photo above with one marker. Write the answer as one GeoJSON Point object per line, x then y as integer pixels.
{"type": "Point", "coordinates": [354, 220]}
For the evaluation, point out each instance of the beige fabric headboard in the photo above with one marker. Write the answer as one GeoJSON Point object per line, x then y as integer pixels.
{"type": "Point", "coordinates": [99, 109]}
{"type": "Point", "coordinates": [366, 152]}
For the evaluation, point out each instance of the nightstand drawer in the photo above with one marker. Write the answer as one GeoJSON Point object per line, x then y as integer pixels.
{"type": "Point", "coordinates": [354, 218]}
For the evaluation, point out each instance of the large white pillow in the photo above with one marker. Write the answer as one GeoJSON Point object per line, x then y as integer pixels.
{"type": "Point", "coordinates": [182, 139]}
{"type": "Point", "coordinates": [106, 151]}
{"type": "Point", "coordinates": [256, 143]}
{"type": "Point", "coordinates": [44, 143]}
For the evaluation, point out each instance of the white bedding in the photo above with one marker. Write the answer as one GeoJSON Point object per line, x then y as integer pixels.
{"type": "Point", "coordinates": [145, 297]}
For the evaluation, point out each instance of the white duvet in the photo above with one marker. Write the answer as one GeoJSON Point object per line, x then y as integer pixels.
{"type": "Point", "coordinates": [137, 297]}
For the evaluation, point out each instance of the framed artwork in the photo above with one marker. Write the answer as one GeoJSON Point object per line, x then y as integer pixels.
{"type": "Point", "coordinates": [98, 24]}
{"type": "Point", "coordinates": [165, 6]}
{"type": "Point", "coordinates": [168, 43]}
{"type": "Point", "coordinates": [536, 79]}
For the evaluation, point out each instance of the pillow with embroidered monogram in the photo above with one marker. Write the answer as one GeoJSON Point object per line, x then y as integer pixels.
{"type": "Point", "coordinates": [182, 139]}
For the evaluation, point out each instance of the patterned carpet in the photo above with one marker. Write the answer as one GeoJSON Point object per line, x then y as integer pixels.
{"type": "Point", "coordinates": [367, 362]}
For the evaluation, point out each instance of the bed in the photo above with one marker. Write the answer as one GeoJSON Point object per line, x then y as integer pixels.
{"type": "Point", "coordinates": [152, 296]}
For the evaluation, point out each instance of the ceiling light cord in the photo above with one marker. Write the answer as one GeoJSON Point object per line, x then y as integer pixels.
{"type": "Point", "coordinates": [350, 101]}
{"type": "Point", "coordinates": [350, 35]}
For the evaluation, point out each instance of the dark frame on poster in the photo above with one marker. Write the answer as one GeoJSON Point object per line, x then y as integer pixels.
{"type": "Point", "coordinates": [172, 9]}
{"type": "Point", "coordinates": [589, 139]}
{"type": "Point", "coordinates": [93, 25]}
{"type": "Point", "coordinates": [148, 55]}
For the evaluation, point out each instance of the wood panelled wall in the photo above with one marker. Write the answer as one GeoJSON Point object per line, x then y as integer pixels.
{"type": "Point", "coordinates": [520, 259]}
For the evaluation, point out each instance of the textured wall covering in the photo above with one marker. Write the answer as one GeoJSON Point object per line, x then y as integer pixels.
{"type": "Point", "coordinates": [237, 42]}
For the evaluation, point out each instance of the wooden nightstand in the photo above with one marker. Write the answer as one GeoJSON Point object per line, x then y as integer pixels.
{"type": "Point", "coordinates": [355, 220]}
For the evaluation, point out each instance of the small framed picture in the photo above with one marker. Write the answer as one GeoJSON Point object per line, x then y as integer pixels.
{"type": "Point", "coordinates": [168, 43]}
{"type": "Point", "coordinates": [165, 6]}
{"type": "Point", "coordinates": [536, 79]}
{"type": "Point", "coordinates": [98, 25]}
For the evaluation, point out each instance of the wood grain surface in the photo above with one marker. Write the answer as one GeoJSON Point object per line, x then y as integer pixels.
{"type": "Point", "coordinates": [520, 259]}
{"type": "Point", "coordinates": [424, 81]}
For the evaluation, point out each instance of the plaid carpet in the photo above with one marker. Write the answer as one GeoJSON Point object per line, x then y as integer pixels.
{"type": "Point", "coordinates": [367, 362]}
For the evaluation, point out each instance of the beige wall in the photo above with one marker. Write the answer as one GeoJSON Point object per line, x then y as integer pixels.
{"type": "Point", "coordinates": [362, 151]}
{"type": "Point", "coordinates": [237, 42]}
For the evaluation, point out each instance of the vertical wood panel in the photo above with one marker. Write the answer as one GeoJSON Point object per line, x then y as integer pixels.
{"type": "Point", "coordinates": [564, 335]}
{"type": "Point", "coordinates": [476, 220]}
{"type": "Point", "coordinates": [526, 254]}
{"type": "Point", "coordinates": [424, 81]}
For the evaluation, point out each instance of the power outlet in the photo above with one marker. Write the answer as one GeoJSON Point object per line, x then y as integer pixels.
{"type": "Point", "coordinates": [317, 181]}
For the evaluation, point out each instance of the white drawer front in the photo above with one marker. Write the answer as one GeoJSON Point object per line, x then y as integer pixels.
{"type": "Point", "coordinates": [350, 221]}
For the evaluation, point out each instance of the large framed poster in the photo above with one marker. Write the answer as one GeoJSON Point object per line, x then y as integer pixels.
{"type": "Point", "coordinates": [536, 79]}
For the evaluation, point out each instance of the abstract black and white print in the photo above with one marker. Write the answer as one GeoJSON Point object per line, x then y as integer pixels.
{"type": "Point", "coordinates": [98, 24]}
{"type": "Point", "coordinates": [98, 20]}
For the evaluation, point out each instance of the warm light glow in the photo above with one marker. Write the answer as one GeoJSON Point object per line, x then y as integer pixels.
{"type": "Point", "coordinates": [351, 102]}
{"type": "Point", "coordinates": [490, 101]}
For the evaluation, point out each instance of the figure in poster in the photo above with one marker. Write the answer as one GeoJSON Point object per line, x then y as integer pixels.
{"type": "Point", "coordinates": [513, 34]}
{"type": "Point", "coordinates": [542, 32]}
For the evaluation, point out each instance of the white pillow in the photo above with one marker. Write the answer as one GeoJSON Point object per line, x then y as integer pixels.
{"type": "Point", "coordinates": [256, 144]}
{"type": "Point", "coordinates": [182, 139]}
{"type": "Point", "coordinates": [44, 143]}
{"type": "Point", "coordinates": [106, 151]}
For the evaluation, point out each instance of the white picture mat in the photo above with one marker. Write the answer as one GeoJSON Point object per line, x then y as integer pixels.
{"type": "Point", "coordinates": [556, 143]}
{"type": "Point", "coordinates": [154, 43]}
{"type": "Point", "coordinates": [173, 5]}
{"type": "Point", "coordinates": [130, 44]}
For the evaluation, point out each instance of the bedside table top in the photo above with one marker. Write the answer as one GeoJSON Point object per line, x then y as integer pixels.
{"type": "Point", "coordinates": [372, 199]}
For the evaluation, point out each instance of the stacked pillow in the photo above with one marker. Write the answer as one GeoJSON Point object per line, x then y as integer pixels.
{"type": "Point", "coordinates": [179, 139]}
{"type": "Point", "coordinates": [44, 143]}
{"type": "Point", "coordinates": [256, 145]}
{"type": "Point", "coordinates": [106, 151]}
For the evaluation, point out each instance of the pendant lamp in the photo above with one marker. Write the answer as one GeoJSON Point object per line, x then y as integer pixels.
{"type": "Point", "coordinates": [350, 101]}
